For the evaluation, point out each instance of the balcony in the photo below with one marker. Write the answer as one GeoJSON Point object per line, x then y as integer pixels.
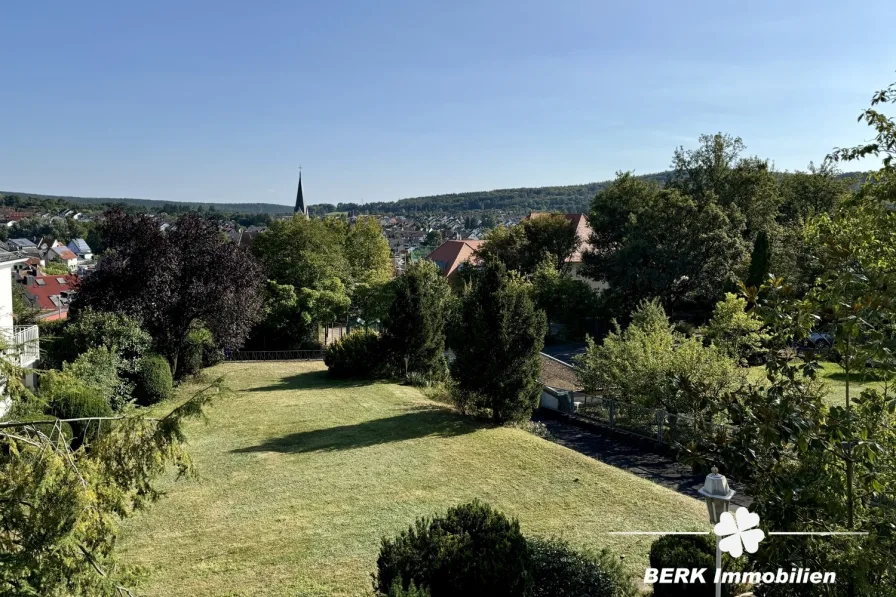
{"type": "Point", "coordinates": [20, 344]}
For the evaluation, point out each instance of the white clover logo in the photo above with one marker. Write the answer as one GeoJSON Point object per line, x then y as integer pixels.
{"type": "Point", "coordinates": [739, 532]}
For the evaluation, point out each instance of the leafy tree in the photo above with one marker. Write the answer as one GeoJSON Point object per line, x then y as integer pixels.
{"type": "Point", "coordinates": [303, 252]}
{"type": "Point", "coordinates": [735, 330]}
{"type": "Point", "coordinates": [283, 325]}
{"type": "Point", "coordinates": [414, 330]}
{"type": "Point", "coordinates": [371, 302]}
{"type": "Point", "coordinates": [522, 248]}
{"type": "Point", "coordinates": [810, 467]}
{"type": "Point", "coordinates": [326, 304]}
{"type": "Point", "coordinates": [760, 260]}
{"type": "Point", "coordinates": [172, 280]}
{"type": "Point", "coordinates": [22, 310]}
{"type": "Point", "coordinates": [810, 193]}
{"type": "Point", "coordinates": [367, 252]}
{"type": "Point", "coordinates": [507, 245]}
{"type": "Point", "coordinates": [124, 336]}
{"type": "Point", "coordinates": [564, 299]}
{"type": "Point", "coordinates": [99, 369]}
{"type": "Point", "coordinates": [651, 242]}
{"type": "Point", "coordinates": [745, 188]}
{"type": "Point", "coordinates": [550, 235]}
{"type": "Point", "coordinates": [60, 508]}
{"type": "Point", "coordinates": [649, 364]}
{"type": "Point", "coordinates": [433, 238]}
{"type": "Point", "coordinates": [884, 142]}
{"type": "Point", "coordinates": [497, 362]}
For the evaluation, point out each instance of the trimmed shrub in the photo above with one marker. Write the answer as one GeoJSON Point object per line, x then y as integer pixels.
{"type": "Point", "coordinates": [685, 551]}
{"type": "Point", "coordinates": [153, 380]}
{"type": "Point", "coordinates": [472, 550]}
{"type": "Point", "coordinates": [560, 571]}
{"type": "Point", "coordinates": [357, 354]}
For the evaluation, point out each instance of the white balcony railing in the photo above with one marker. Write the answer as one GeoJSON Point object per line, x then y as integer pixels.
{"type": "Point", "coordinates": [21, 344]}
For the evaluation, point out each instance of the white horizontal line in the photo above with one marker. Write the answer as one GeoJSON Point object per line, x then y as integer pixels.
{"type": "Point", "coordinates": [818, 534]}
{"type": "Point", "coordinates": [657, 533]}
{"type": "Point", "coordinates": [825, 533]}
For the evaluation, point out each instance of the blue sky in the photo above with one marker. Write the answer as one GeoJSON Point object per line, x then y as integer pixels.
{"type": "Point", "coordinates": [221, 101]}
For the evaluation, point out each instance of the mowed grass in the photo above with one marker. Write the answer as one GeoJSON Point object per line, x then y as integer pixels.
{"type": "Point", "coordinates": [301, 476]}
{"type": "Point", "coordinates": [835, 382]}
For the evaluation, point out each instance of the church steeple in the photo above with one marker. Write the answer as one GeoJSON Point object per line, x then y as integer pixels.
{"type": "Point", "coordinates": [300, 198]}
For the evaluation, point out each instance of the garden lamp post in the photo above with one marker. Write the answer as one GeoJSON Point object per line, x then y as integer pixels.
{"type": "Point", "coordinates": [717, 495]}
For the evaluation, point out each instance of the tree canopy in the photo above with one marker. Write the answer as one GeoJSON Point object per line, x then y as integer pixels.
{"type": "Point", "coordinates": [171, 280]}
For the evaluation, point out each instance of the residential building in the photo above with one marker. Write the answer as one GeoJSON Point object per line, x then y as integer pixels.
{"type": "Point", "coordinates": [48, 242]}
{"type": "Point", "coordinates": [452, 255]}
{"type": "Point", "coordinates": [20, 343]}
{"type": "Point", "coordinates": [17, 244]}
{"type": "Point", "coordinates": [64, 255]}
{"type": "Point", "coordinates": [51, 294]}
{"type": "Point", "coordinates": [79, 247]}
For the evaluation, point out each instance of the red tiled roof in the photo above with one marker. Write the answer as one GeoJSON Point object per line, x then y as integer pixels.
{"type": "Point", "coordinates": [583, 231]}
{"type": "Point", "coordinates": [64, 253]}
{"type": "Point", "coordinates": [452, 253]}
{"type": "Point", "coordinates": [51, 287]}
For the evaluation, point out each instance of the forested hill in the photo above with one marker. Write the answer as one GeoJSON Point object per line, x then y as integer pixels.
{"type": "Point", "coordinates": [159, 205]}
{"type": "Point", "coordinates": [567, 199]}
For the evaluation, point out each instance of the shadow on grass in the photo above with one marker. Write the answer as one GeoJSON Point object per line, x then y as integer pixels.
{"type": "Point", "coordinates": [861, 376]}
{"type": "Point", "coordinates": [311, 380]}
{"type": "Point", "coordinates": [426, 422]}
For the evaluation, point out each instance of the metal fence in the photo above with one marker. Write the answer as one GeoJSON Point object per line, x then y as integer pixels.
{"type": "Point", "coordinates": [650, 423]}
{"type": "Point", "coordinates": [274, 355]}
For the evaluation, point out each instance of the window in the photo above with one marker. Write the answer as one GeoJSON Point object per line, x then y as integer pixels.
{"type": "Point", "coordinates": [60, 280]}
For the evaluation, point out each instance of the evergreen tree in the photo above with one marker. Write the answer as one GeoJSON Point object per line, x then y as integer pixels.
{"type": "Point", "coordinates": [414, 334]}
{"type": "Point", "coordinates": [760, 260]}
{"type": "Point", "coordinates": [501, 336]}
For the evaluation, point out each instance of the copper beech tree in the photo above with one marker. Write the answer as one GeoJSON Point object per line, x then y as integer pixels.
{"type": "Point", "coordinates": [174, 280]}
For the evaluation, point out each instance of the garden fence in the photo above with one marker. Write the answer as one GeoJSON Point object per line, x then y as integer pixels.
{"type": "Point", "coordinates": [274, 355]}
{"type": "Point", "coordinates": [657, 424]}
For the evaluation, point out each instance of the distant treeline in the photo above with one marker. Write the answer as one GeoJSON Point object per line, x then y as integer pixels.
{"type": "Point", "coordinates": [171, 207]}
{"type": "Point", "coordinates": [566, 199]}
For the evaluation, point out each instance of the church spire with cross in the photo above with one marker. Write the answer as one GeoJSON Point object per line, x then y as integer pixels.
{"type": "Point", "coordinates": [300, 198]}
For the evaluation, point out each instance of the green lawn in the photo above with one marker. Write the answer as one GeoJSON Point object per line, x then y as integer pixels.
{"type": "Point", "coordinates": [301, 476]}
{"type": "Point", "coordinates": [835, 382]}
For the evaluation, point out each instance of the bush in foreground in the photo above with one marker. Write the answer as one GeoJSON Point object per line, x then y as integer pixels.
{"type": "Point", "coordinates": [154, 381]}
{"type": "Point", "coordinates": [684, 551]}
{"type": "Point", "coordinates": [558, 570]}
{"type": "Point", "coordinates": [471, 550]}
{"type": "Point", "coordinates": [475, 550]}
{"type": "Point", "coordinates": [355, 355]}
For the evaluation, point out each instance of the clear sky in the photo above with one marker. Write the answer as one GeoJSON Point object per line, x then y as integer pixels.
{"type": "Point", "coordinates": [378, 100]}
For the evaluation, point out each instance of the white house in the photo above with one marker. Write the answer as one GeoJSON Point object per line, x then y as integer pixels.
{"type": "Point", "coordinates": [79, 247]}
{"type": "Point", "coordinates": [64, 255]}
{"type": "Point", "coordinates": [20, 343]}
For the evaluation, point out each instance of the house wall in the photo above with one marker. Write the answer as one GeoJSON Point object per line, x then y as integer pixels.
{"type": "Point", "coordinates": [575, 272]}
{"type": "Point", "coordinates": [6, 297]}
